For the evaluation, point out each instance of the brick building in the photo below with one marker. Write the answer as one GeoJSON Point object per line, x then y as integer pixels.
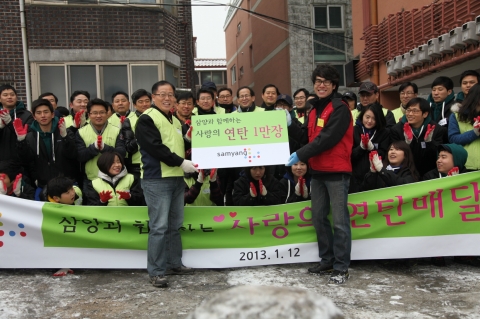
{"type": "Point", "coordinates": [413, 37]}
{"type": "Point", "coordinates": [262, 51]}
{"type": "Point", "coordinates": [97, 45]}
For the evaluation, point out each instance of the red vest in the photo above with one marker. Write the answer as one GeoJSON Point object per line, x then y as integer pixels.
{"type": "Point", "coordinates": [336, 159]}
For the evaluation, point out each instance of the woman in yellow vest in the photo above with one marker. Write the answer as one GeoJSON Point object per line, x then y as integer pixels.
{"type": "Point", "coordinates": [464, 127]}
{"type": "Point", "coordinates": [202, 189]}
{"type": "Point", "coordinates": [113, 186]}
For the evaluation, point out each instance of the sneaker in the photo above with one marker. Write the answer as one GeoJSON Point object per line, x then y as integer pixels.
{"type": "Point", "coordinates": [338, 277]}
{"type": "Point", "coordinates": [321, 269]}
{"type": "Point", "coordinates": [159, 281]}
{"type": "Point", "coordinates": [182, 270]}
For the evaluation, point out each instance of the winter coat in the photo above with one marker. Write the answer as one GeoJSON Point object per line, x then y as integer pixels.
{"type": "Point", "coordinates": [424, 153]}
{"type": "Point", "coordinates": [288, 189]}
{"type": "Point", "coordinates": [93, 198]}
{"type": "Point", "coordinates": [360, 156]}
{"type": "Point", "coordinates": [48, 153]}
{"type": "Point", "coordinates": [387, 178]}
{"type": "Point", "coordinates": [242, 197]}
{"type": "Point", "coordinates": [460, 156]}
{"type": "Point", "coordinates": [441, 110]}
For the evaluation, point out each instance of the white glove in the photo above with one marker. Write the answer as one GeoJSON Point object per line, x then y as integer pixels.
{"type": "Point", "coordinates": [5, 118]}
{"type": "Point", "coordinates": [377, 162]}
{"type": "Point", "coordinates": [201, 176]}
{"type": "Point", "coordinates": [3, 187]}
{"type": "Point", "coordinates": [17, 185]}
{"type": "Point", "coordinates": [213, 175]}
{"type": "Point", "coordinates": [301, 188]}
{"type": "Point", "coordinates": [476, 126]}
{"type": "Point", "coordinates": [188, 166]}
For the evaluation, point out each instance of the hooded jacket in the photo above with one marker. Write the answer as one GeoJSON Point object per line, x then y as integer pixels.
{"type": "Point", "coordinates": [8, 137]}
{"type": "Point", "coordinates": [360, 157]}
{"type": "Point", "coordinates": [48, 153]}
{"type": "Point", "coordinates": [441, 110]}
{"type": "Point", "coordinates": [424, 153]}
{"type": "Point", "coordinates": [460, 156]}
{"type": "Point", "coordinates": [288, 189]}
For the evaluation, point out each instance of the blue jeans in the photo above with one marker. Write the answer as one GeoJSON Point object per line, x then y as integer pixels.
{"type": "Point", "coordinates": [164, 197]}
{"type": "Point", "coordinates": [331, 191]}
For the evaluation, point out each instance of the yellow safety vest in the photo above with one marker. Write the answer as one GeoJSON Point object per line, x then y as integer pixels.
{"type": "Point", "coordinates": [125, 184]}
{"type": "Point", "coordinates": [203, 198]}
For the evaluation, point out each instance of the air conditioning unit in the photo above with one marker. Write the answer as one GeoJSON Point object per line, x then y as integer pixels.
{"type": "Point", "coordinates": [456, 38]}
{"type": "Point", "coordinates": [433, 48]}
{"type": "Point", "coordinates": [422, 55]}
{"type": "Point", "coordinates": [414, 57]}
{"type": "Point", "coordinates": [406, 62]}
{"type": "Point", "coordinates": [397, 63]}
{"type": "Point", "coordinates": [390, 70]}
{"type": "Point", "coordinates": [477, 22]}
{"type": "Point", "coordinates": [468, 32]}
{"type": "Point", "coordinates": [444, 43]}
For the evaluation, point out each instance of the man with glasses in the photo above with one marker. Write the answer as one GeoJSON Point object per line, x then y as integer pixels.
{"type": "Point", "coordinates": [225, 100]}
{"type": "Point", "coordinates": [407, 91]}
{"type": "Point", "coordinates": [159, 135]}
{"type": "Point", "coordinates": [369, 94]}
{"type": "Point", "coordinates": [246, 100]}
{"type": "Point", "coordinates": [421, 133]}
{"type": "Point", "coordinates": [206, 103]}
{"type": "Point", "coordinates": [185, 106]}
{"type": "Point", "coordinates": [327, 136]}
{"type": "Point", "coordinates": [300, 98]}
{"type": "Point", "coordinates": [96, 138]}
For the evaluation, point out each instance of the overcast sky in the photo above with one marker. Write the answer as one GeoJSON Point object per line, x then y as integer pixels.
{"type": "Point", "coordinates": [208, 28]}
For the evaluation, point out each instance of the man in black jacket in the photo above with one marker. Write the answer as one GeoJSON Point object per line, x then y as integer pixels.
{"type": "Point", "coordinates": [369, 94]}
{"type": "Point", "coordinates": [48, 149]}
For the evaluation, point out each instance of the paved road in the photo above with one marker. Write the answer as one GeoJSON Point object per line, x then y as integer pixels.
{"type": "Point", "coordinates": [375, 290]}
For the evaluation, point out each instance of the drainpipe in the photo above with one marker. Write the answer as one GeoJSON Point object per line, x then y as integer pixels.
{"type": "Point", "coordinates": [374, 21]}
{"type": "Point", "coordinates": [26, 63]}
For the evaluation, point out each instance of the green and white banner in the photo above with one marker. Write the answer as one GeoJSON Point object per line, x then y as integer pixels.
{"type": "Point", "coordinates": [434, 218]}
{"type": "Point", "coordinates": [240, 139]}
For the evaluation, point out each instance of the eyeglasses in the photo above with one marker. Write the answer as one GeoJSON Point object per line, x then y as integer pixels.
{"type": "Point", "coordinates": [413, 111]}
{"type": "Point", "coordinates": [98, 113]}
{"type": "Point", "coordinates": [300, 98]}
{"type": "Point", "coordinates": [224, 96]}
{"type": "Point", "coordinates": [164, 95]}
{"type": "Point", "coordinates": [205, 98]}
{"type": "Point", "coordinates": [246, 96]}
{"type": "Point", "coordinates": [407, 93]}
{"type": "Point", "coordinates": [324, 82]}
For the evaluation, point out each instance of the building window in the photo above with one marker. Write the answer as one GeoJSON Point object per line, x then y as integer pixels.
{"type": "Point", "coordinates": [217, 77]}
{"type": "Point", "coordinates": [233, 70]}
{"type": "Point", "coordinates": [100, 80]}
{"type": "Point", "coordinates": [241, 72]}
{"type": "Point", "coordinates": [239, 27]}
{"type": "Point", "coordinates": [329, 45]}
{"type": "Point", "coordinates": [171, 74]}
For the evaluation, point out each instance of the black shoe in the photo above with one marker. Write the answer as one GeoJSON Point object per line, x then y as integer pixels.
{"type": "Point", "coordinates": [321, 269]}
{"type": "Point", "coordinates": [159, 281]}
{"type": "Point", "coordinates": [182, 270]}
{"type": "Point", "coordinates": [339, 277]}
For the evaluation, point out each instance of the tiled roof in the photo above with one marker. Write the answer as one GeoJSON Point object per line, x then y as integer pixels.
{"type": "Point", "coordinates": [210, 63]}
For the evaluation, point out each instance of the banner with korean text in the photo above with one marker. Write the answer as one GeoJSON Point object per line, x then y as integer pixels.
{"type": "Point", "coordinates": [434, 218]}
{"type": "Point", "coordinates": [240, 139]}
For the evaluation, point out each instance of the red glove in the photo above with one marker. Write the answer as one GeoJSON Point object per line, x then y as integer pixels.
{"type": "Point", "coordinates": [62, 127]}
{"type": "Point", "coordinates": [201, 176]}
{"type": "Point", "coordinates": [253, 191]}
{"type": "Point", "coordinates": [17, 185]}
{"type": "Point", "coordinates": [476, 126]}
{"type": "Point", "coordinates": [408, 133]}
{"type": "Point", "coordinates": [79, 120]}
{"type": "Point", "coordinates": [122, 119]}
{"type": "Point", "coordinates": [124, 194]}
{"type": "Point", "coordinates": [3, 186]}
{"type": "Point", "coordinates": [454, 171]}
{"type": "Point", "coordinates": [105, 196]}
{"type": "Point", "coordinates": [301, 188]}
{"type": "Point", "coordinates": [188, 135]}
{"type": "Point", "coordinates": [262, 188]}
{"type": "Point", "coordinates": [370, 158]}
{"type": "Point", "coordinates": [99, 145]}
{"type": "Point", "coordinates": [213, 175]}
{"type": "Point", "coordinates": [429, 133]}
{"type": "Point", "coordinates": [20, 129]}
